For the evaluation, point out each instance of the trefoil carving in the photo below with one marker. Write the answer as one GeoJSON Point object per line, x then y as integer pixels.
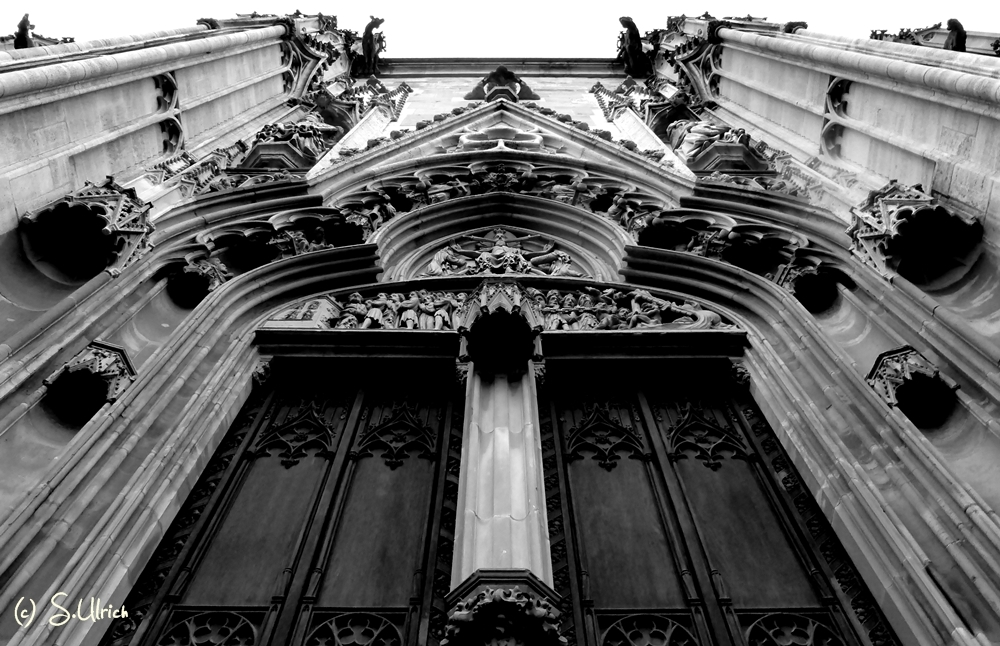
{"type": "Point", "coordinates": [605, 437]}
{"type": "Point", "coordinates": [294, 439]}
{"type": "Point", "coordinates": [787, 628]}
{"type": "Point", "coordinates": [355, 629]}
{"type": "Point", "coordinates": [397, 437]}
{"type": "Point", "coordinates": [697, 437]}
{"type": "Point", "coordinates": [644, 630]}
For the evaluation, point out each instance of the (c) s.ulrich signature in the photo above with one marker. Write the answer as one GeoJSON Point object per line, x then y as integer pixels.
{"type": "Point", "coordinates": [62, 610]}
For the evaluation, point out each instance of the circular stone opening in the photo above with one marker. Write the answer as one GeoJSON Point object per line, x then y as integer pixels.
{"type": "Point", "coordinates": [187, 288]}
{"type": "Point", "coordinates": [501, 343]}
{"type": "Point", "coordinates": [927, 401]}
{"type": "Point", "coordinates": [931, 242]}
{"type": "Point", "coordinates": [74, 397]}
{"type": "Point", "coordinates": [816, 292]}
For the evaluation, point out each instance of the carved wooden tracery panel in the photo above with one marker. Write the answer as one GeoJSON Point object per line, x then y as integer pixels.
{"type": "Point", "coordinates": [665, 551]}
{"type": "Point", "coordinates": [293, 537]}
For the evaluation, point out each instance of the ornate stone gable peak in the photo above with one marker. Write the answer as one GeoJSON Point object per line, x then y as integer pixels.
{"type": "Point", "coordinates": [901, 229]}
{"type": "Point", "coordinates": [108, 361]}
{"type": "Point", "coordinates": [502, 83]}
{"type": "Point", "coordinates": [629, 95]}
{"type": "Point", "coordinates": [501, 251]}
{"type": "Point", "coordinates": [114, 223]}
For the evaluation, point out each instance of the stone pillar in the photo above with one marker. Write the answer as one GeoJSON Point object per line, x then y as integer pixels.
{"type": "Point", "coordinates": [501, 496]}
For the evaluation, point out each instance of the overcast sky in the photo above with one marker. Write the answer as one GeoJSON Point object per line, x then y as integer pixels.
{"type": "Point", "coordinates": [493, 28]}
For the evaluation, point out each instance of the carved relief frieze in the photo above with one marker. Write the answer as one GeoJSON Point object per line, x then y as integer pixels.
{"type": "Point", "coordinates": [581, 309]}
{"type": "Point", "coordinates": [501, 251]}
{"type": "Point", "coordinates": [901, 229]}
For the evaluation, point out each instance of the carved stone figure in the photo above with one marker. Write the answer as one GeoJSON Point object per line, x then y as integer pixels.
{"type": "Point", "coordinates": [630, 52]}
{"type": "Point", "coordinates": [371, 45]}
{"type": "Point", "coordinates": [501, 82]}
{"type": "Point", "coordinates": [22, 38]}
{"type": "Point", "coordinates": [956, 36]}
{"type": "Point", "coordinates": [689, 139]}
{"type": "Point", "coordinates": [501, 253]}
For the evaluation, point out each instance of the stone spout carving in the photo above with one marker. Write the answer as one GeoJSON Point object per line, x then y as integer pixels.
{"type": "Point", "coordinates": [630, 50]}
{"type": "Point", "coordinates": [22, 37]}
{"type": "Point", "coordinates": [903, 230]}
{"type": "Point", "coordinates": [504, 617]}
{"type": "Point", "coordinates": [501, 82]}
{"type": "Point", "coordinates": [501, 253]}
{"type": "Point", "coordinates": [101, 227]}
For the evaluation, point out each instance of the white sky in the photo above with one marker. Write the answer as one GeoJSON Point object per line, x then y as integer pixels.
{"type": "Point", "coordinates": [476, 28]}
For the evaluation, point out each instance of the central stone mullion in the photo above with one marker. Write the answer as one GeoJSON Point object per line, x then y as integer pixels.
{"type": "Point", "coordinates": [501, 497]}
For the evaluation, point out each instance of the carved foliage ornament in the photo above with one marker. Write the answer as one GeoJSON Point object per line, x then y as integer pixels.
{"type": "Point", "coordinates": [498, 616]}
{"type": "Point", "coordinates": [501, 252]}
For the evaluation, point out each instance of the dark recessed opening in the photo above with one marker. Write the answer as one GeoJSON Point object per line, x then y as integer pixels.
{"type": "Point", "coordinates": [927, 401]}
{"type": "Point", "coordinates": [187, 288]}
{"type": "Point", "coordinates": [816, 292]}
{"type": "Point", "coordinates": [74, 397]}
{"type": "Point", "coordinates": [68, 243]}
{"type": "Point", "coordinates": [501, 343]}
{"type": "Point", "coordinates": [932, 242]}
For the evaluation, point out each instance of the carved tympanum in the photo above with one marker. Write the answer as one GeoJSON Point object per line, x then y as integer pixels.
{"type": "Point", "coordinates": [902, 229]}
{"type": "Point", "coordinates": [504, 617]}
{"type": "Point", "coordinates": [501, 82]}
{"type": "Point", "coordinates": [101, 227]}
{"type": "Point", "coordinates": [501, 252]}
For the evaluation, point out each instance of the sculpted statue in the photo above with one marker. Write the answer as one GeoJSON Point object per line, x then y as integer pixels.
{"type": "Point", "coordinates": [630, 52]}
{"type": "Point", "coordinates": [450, 262]}
{"type": "Point", "coordinates": [22, 37]}
{"type": "Point", "coordinates": [689, 139]}
{"type": "Point", "coordinates": [310, 138]}
{"type": "Point", "coordinates": [955, 41]}
{"type": "Point", "coordinates": [501, 254]}
{"type": "Point", "coordinates": [502, 77]}
{"type": "Point", "coordinates": [371, 45]}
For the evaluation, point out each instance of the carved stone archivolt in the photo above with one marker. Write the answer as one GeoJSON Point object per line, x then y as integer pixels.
{"type": "Point", "coordinates": [501, 83]}
{"type": "Point", "coordinates": [901, 229]}
{"type": "Point", "coordinates": [101, 227]}
{"type": "Point", "coordinates": [580, 309]}
{"type": "Point", "coordinates": [501, 251]}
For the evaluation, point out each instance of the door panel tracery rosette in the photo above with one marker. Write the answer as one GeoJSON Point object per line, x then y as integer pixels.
{"type": "Point", "coordinates": [356, 627]}
{"type": "Point", "coordinates": [787, 626]}
{"type": "Point", "coordinates": [192, 626]}
{"type": "Point", "coordinates": [663, 628]}
{"type": "Point", "coordinates": [696, 437]}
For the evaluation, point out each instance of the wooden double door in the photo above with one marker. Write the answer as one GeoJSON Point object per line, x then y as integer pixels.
{"type": "Point", "coordinates": [326, 517]}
